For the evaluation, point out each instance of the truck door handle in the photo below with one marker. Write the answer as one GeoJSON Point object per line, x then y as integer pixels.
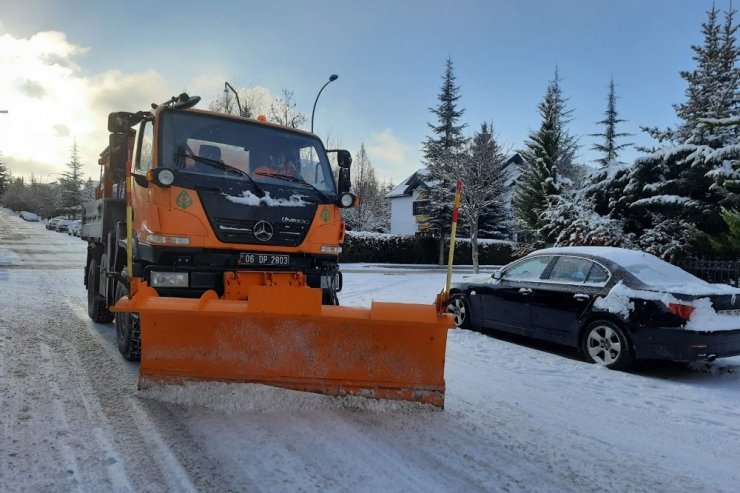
{"type": "Point", "coordinates": [581, 297]}
{"type": "Point", "coordinates": [525, 291]}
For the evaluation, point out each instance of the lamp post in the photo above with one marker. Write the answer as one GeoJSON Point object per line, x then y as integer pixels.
{"type": "Point", "coordinates": [332, 78]}
{"type": "Point", "coordinates": [227, 86]}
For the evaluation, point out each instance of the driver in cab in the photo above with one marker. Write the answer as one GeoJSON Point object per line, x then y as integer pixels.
{"type": "Point", "coordinates": [277, 164]}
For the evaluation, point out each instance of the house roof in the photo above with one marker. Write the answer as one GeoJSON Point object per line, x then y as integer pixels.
{"type": "Point", "coordinates": [422, 178]}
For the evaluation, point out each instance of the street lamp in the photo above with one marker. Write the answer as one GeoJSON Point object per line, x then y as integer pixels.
{"type": "Point", "coordinates": [227, 86]}
{"type": "Point", "coordinates": [332, 78]}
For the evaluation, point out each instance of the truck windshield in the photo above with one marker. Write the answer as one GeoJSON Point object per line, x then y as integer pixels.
{"type": "Point", "coordinates": [237, 150]}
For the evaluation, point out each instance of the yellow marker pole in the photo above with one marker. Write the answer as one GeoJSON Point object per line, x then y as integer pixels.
{"type": "Point", "coordinates": [453, 234]}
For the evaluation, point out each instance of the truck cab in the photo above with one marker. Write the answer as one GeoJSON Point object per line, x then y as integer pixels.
{"type": "Point", "coordinates": [211, 194]}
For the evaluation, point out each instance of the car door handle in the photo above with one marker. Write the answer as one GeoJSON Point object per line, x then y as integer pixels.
{"type": "Point", "coordinates": [525, 291]}
{"type": "Point", "coordinates": [581, 297]}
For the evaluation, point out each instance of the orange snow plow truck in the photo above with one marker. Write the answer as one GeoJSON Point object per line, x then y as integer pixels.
{"type": "Point", "coordinates": [213, 244]}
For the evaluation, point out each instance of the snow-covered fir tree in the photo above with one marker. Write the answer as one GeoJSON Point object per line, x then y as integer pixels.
{"type": "Point", "coordinates": [729, 244]}
{"type": "Point", "coordinates": [609, 147]}
{"type": "Point", "coordinates": [441, 149]}
{"type": "Point", "coordinates": [547, 151]}
{"type": "Point", "coordinates": [672, 200]}
{"type": "Point", "coordinates": [605, 184]}
{"type": "Point", "coordinates": [72, 182]}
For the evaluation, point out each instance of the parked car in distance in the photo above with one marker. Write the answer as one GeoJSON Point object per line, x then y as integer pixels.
{"type": "Point", "coordinates": [52, 223]}
{"type": "Point", "coordinates": [63, 225]}
{"type": "Point", "coordinates": [75, 227]}
{"type": "Point", "coordinates": [616, 305]}
{"type": "Point", "coordinates": [29, 216]}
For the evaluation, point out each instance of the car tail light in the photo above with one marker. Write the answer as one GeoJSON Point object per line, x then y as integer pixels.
{"type": "Point", "coordinates": [683, 311]}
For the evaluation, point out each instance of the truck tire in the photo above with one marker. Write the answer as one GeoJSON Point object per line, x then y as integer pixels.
{"type": "Point", "coordinates": [97, 308]}
{"type": "Point", "coordinates": [128, 330]}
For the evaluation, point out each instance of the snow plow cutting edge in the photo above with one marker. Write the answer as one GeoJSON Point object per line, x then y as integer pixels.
{"type": "Point", "coordinates": [283, 336]}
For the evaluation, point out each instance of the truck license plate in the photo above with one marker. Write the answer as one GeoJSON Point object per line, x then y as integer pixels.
{"type": "Point", "coordinates": [264, 259]}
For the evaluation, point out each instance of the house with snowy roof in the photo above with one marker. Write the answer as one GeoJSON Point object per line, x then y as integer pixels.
{"type": "Point", "coordinates": [409, 199]}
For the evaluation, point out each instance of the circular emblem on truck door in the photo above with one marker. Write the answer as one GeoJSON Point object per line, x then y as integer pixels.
{"type": "Point", "coordinates": [262, 231]}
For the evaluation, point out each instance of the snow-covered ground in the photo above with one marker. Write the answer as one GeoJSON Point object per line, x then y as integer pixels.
{"type": "Point", "coordinates": [519, 416]}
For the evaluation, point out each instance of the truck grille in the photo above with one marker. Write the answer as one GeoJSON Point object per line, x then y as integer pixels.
{"type": "Point", "coordinates": [241, 231]}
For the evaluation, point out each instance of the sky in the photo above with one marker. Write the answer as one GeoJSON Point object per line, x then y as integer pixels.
{"type": "Point", "coordinates": [64, 65]}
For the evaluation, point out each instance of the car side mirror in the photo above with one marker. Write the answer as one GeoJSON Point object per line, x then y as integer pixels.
{"type": "Point", "coordinates": [496, 275]}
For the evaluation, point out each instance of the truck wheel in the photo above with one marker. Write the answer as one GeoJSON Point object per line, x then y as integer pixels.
{"type": "Point", "coordinates": [329, 298]}
{"type": "Point", "coordinates": [97, 308]}
{"type": "Point", "coordinates": [128, 330]}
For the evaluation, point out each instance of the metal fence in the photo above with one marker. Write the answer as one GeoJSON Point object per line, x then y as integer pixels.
{"type": "Point", "coordinates": [717, 271]}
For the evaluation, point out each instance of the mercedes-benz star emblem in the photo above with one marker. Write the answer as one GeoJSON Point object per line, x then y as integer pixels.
{"type": "Point", "coordinates": [263, 231]}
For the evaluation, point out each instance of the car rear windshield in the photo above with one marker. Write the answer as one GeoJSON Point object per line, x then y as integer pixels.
{"type": "Point", "coordinates": [652, 271]}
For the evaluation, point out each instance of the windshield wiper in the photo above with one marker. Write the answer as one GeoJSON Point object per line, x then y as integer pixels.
{"type": "Point", "coordinates": [224, 167]}
{"type": "Point", "coordinates": [296, 180]}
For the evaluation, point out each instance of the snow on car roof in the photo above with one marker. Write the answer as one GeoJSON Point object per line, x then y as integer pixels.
{"type": "Point", "coordinates": [649, 269]}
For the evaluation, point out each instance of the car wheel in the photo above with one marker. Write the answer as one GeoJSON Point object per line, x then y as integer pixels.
{"type": "Point", "coordinates": [460, 310]}
{"type": "Point", "coordinates": [128, 330]}
{"type": "Point", "coordinates": [606, 344]}
{"type": "Point", "coordinates": [97, 309]}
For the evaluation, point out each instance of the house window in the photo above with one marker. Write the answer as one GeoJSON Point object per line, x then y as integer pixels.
{"type": "Point", "coordinates": [420, 207]}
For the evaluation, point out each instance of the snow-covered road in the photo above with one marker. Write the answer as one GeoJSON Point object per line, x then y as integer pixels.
{"type": "Point", "coordinates": [518, 417]}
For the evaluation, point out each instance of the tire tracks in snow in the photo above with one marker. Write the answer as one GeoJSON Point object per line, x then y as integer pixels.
{"type": "Point", "coordinates": [70, 416]}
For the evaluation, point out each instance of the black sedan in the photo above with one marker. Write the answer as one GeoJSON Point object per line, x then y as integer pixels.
{"type": "Point", "coordinates": [616, 305]}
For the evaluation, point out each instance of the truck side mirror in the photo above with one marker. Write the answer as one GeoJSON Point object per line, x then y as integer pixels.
{"type": "Point", "coordinates": [118, 155]}
{"type": "Point", "coordinates": [122, 121]}
{"type": "Point", "coordinates": [344, 159]}
{"type": "Point", "coordinates": [343, 182]}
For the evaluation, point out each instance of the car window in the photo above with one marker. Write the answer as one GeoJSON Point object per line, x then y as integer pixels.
{"type": "Point", "coordinates": [597, 275]}
{"type": "Point", "coordinates": [570, 269]}
{"type": "Point", "coordinates": [527, 269]}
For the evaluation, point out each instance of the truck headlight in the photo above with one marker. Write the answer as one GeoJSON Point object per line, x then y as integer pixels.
{"type": "Point", "coordinates": [169, 279]}
{"type": "Point", "coordinates": [346, 200]}
{"type": "Point", "coordinates": [164, 177]}
{"type": "Point", "coordinates": [167, 240]}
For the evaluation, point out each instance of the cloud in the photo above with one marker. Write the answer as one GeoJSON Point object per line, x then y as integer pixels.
{"type": "Point", "coordinates": [31, 88]}
{"type": "Point", "coordinates": [51, 103]}
{"type": "Point", "coordinates": [61, 130]}
{"type": "Point", "coordinates": [392, 158]}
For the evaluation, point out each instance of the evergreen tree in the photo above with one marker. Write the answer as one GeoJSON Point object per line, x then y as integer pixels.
{"type": "Point", "coordinates": [440, 153]}
{"type": "Point", "coordinates": [729, 244]}
{"type": "Point", "coordinates": [72, 182]}
{"type": "Point", "coordinates": [4, 176]}
{"type": "Point", "coordinates": [672, 199]}
{"type": "Point", "coordinates": [547, 151]}
{"type": "Point", "coordinates": [605, 185]}
{"type": "Point", "coordinates": [609, 148]}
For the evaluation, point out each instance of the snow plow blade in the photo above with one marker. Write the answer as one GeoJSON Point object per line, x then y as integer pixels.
{"type": "Point", "coordinates": [285, 337]}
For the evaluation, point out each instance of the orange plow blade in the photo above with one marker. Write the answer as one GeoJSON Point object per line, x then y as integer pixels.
{"type": "Point", "coordinates": [282, 336]}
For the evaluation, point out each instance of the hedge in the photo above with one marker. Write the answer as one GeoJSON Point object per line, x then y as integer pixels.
{"type": "Point", "coordinates": [374, 248]}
